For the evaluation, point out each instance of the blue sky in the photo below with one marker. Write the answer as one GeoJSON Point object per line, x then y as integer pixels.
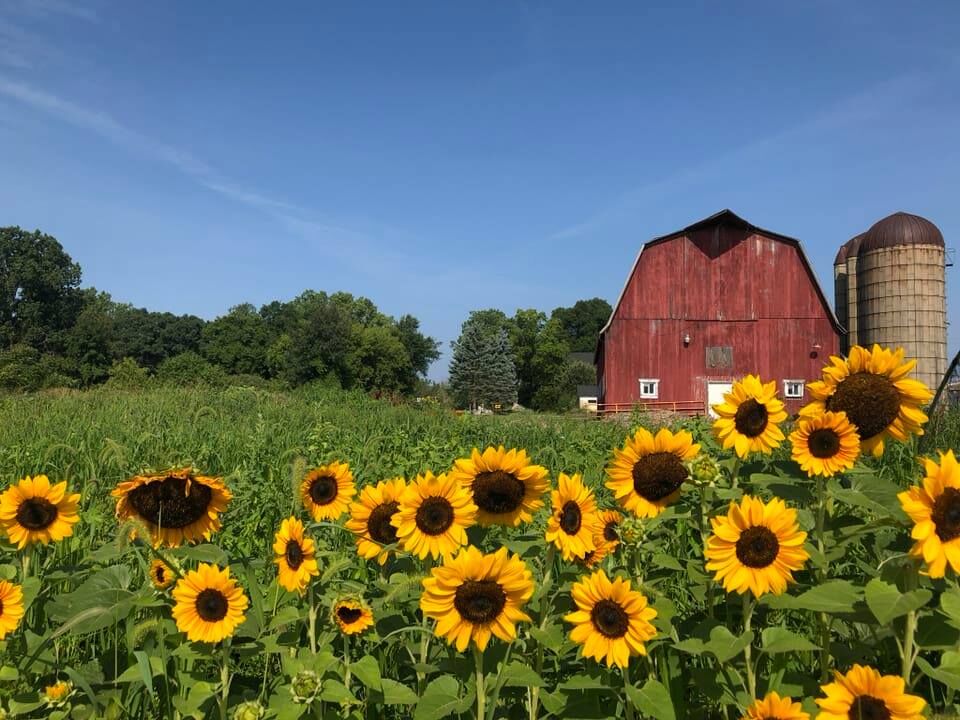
{"type": "Point", "coordinates": [443, 157]}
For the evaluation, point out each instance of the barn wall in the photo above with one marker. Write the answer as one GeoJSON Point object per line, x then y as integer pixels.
{"type": "Point", "coordinates": [724, 288]}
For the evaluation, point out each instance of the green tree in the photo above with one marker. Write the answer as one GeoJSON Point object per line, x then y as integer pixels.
{"type": "Point", "coordinates": [380, 361]}
{"type": "Point", "coordinates": [152, 337]}
{"type": "Point", "coordinates": [237, 341]}
{"type": "Point", "coordinates": [421, 349]}
{"type": "Point", "coordinates": [481, 369]}
{"type": "Point", "coordinates": [582, 322]}
{"type": "Point", "coordinates": [319, 341]}
{"type": "Point", "coordinates": [90, 343]}
{"type": "Point", "coordinates": [39, 297]}
{"type": "Point", "coordinates": [525, 328]}
{"type": "Point", "coordinates": [548, 364]}
{"type": "Point", "coordinates": [190, 368]}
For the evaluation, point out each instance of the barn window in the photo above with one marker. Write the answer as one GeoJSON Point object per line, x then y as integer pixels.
{"type": "Point", "coordinates": [793, 388]}
{"type": "Point", "coordinates": [649, 388]}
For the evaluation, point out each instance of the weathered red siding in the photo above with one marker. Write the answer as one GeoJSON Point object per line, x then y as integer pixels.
{"type": "Point", "coordinates": [727, 284]}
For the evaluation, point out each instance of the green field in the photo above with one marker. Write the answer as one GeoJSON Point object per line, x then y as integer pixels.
{"type": "Point", "coordinates": [95, 621]}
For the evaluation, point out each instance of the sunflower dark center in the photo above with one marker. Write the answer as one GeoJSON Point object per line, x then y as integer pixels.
{"type": "Point", "coordinates": [610, 533]}
{"type": "Point", "coordinates": [349, 615]}
{"type": "Point", "coordinates": [323, 489]}
{"type": "Point", "coordinates": [36, 513]}
{"type": "Point", "coordinates": [212, 605]}
{"type": "Point", "coordinates": [658, 475]}
{"type": "Point", "coordinates": [824, 443]}
{"type": "Point", "coordinates": [161, 574]}
{"type": "Point", "coordinates": [757, 547]}
{"type": "Point", "coordinates": [498, 492]}
{"type": "Point", "coordinates": [610, 619]}
{"type": "Point", "coordinates": [169, 503]}
{"type": "Point", "coordinates": [293, 554]}
{"type": "Point", "coordinates": [480, 601]}
{"type": "Point", "coordinates": [751, 418]}
{"type": "Point", "coordinates": [570, 518]}
{"type": "Point", "coordinates": [434, 516]}
{"type": "Point", "coordinates": [867, 707]}
{"type": "Point", "coordinates": [870, 401]}
{"type": "Point", "coordinates": [378, 524]}
{"type": "Point", "coordinates": [946, 514]}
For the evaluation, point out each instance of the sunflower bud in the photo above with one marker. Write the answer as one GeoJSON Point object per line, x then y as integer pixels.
{"type": "Point", "coordinates": [704, 471]}
{"type": "Point", "coordinates": [250, 710]}
{"type": "Point", "coordinates": [3, 714]}
{"type": "Point", "coordinates": [305, 686]}
{"type": "Point", "coordinates": [56, 695]}
{"type": "Point", "coordinates": [632, 531]}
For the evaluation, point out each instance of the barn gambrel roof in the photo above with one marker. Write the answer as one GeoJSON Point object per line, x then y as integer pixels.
{"type": "Point", "coordinates": [728, 217]}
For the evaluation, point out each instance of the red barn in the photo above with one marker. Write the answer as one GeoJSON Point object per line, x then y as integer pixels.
{"type": "Point", "coordinates": [708, 304]}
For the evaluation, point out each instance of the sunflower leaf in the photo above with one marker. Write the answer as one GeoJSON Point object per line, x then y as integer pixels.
{"type": "Point", "coordinates": [652, 699]}
{"type": "Point", "coordinates": [367, 671]}
{"type": "Point", "coordinates": [781, 640]}
{"type": "Point", "coordinates": [440, 699]}
{"type": "Point", "coordinates": [833, 596]}
{"type": "Point", "coordinates": [886, 602]}
{"type": "Point", "coordinates": [725, 645]}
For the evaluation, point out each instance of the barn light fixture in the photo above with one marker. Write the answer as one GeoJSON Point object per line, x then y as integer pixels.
{"type": "Point", "coordinates": [686, 338]}
{"type": "Point", "coordinates": [817, 346]}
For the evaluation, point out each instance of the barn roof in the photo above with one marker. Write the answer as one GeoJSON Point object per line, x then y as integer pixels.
{"type": "Point", "coordinates": [728, 217]}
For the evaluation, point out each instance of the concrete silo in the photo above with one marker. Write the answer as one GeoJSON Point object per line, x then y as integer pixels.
{"type": "Point", "coordinates": [896, 291]}
{"type": "Point", "coordinates": [845, 290]}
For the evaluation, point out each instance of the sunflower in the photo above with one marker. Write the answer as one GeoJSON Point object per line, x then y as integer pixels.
{"type": "Point", "coordinates": [647, 473]}
{"type": "Point", "coordinates": [11, 607]}
{"type": "Point", "coordinates": [774, 707]}
{"type": "Point", "coordinates": [594, 557]}
{"type": "Point", "coordinates": [352, 616]}
{"type": "Point", "coordinates": [865, 694]}
{"type": "Point", "coordinates": [326, 490]}
{"type": "Point", "coordinates": [209, 605]}
{"type": "Point", "coordinates": [176, 506]}
{"type": "Point", "coordinates": [826, 444]}
{"type": "Point", "coordinates": [507, 489]}
{"type": "Point", "coordinates": [474, 596]}
{"type": "Point", "coordinates": [610, 520]}
{"type": "Point", "coordinates": [872, 388]}
{"type": "Point", "coordinates": [612, 622]}
{"type": "Point", "coordinates": [370, 517]}
{"type": "Point", "coordinates": [161, 575]}
{"type": "Point", "coordinates": [574, 522]}
{"type": "Point", "coordinates": [749, 416]}
{"type": "Point", "coordinates": [34, 511]}
{"type": "Point", "coordinates": [295, 556]}
{"type": "Point", "coordinates": [434, 514]}
{"type": "Point", "coordinates": [934, 508]}
{"type": "Point", "coordinates": [56, 695]}
{"type": "Point", "coordinates": [756, 546]}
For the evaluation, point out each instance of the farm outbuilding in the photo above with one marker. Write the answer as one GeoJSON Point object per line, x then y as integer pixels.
{"type": "Point", "coordinates": [708, 304]}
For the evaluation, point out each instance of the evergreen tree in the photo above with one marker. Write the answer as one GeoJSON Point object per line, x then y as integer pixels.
{"type": "Point", "coordinates": [482, 371]}
{"type": "Point", "coordinates": [503, 372]}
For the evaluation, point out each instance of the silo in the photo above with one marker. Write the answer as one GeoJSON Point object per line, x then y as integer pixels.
{"type": "Point", "coordinates": [845, 290]}
{"type": "Point", "coordinates": [900, 291]}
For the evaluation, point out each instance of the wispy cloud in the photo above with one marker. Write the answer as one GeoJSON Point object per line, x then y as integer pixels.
{"type": "Point", "coordinates": [48, 8]}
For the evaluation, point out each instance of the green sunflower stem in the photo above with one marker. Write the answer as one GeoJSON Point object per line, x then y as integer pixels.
{"type": "Point", "coordinates": [748, 607]}
{"type": "Point", "coordinates": [224, 681]}
{"type": "Point", "coordinates": [481, 687]}
{"type": "Point", "coordinates": [545, 587]}
{"type": "Point", "coordinates": [909, 630]}
{"type": "Point", "coordinates": [704, 534]}
{"type": "Point", "coordinates": [498, 683]}
{"type": "Point", "coordinates": [312, 621]}
{"type": "Point", "coordinates": [823, 621]}
{"type": "Point", "coordinates": [626, 694]}
{"type": "Point", "coordinates": [346, 661]}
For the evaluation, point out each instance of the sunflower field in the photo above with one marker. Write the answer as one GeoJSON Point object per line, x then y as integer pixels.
{"type": "Point", "coordinates": [241, 554]}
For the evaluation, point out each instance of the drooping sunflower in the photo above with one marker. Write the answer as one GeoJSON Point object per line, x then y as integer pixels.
{"type": "Point", "coordinates": [826, 444]}
{"type": "Point", "coordinates": [610, 520]}
{"type": "Point", "coordinates": [600, 550]}
{"type": "Point", "coordinates": [473, 596]}
{"type": "Point", "coordinates": [35, 511]}
{"type": "Point", "coordinates": [326, 490]}
{"type": "Point", "coordinates": [370, 517]}
{"type": "Point", "coordinates": [295, 556]}
{"type": "Point", "coordinates": [749, 417]}
{"type": "Point", "coordinates": [352, 616]}
{"type": "Point", "coordinates": [209, 604]}
{"type": "Point", "coordinates": [176, 506]}
{"type": "Point", "coordinates": [934, 508]}
{"type": "Point", "coordinates": [11, 607]}
{"type": "Point", "coordinates": [574, 523]}
{"type": "Point", "coordinates": [506, 487]}
{"type": "Point", "coordinates": [435, 512]}
{"type": "Point", "coordinates": [774, 707]}
{"type": "Point", "coordinates": [872, 388]}
{"type": "Point", "coordinates": [646, 474]}
{"type": "Point", "coordinates": [161, 574]}
{"type": "Point", "coordinates": [612, 622]}
{"type": "Point", "coordinates": [864, 693]}
{"type": "Point", "coordinates": [756, 546]}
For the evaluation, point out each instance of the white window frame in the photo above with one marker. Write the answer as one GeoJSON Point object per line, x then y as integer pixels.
{"type": "Point", "coordinates": [786, 388]}
{"type": "Point", "coordinates": [656, 388]}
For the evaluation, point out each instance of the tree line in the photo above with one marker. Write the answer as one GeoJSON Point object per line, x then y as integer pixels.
{"type": "Point", "coordinates": [54, 333]}
{"type": "Point", "coordinates": [526, 358]}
